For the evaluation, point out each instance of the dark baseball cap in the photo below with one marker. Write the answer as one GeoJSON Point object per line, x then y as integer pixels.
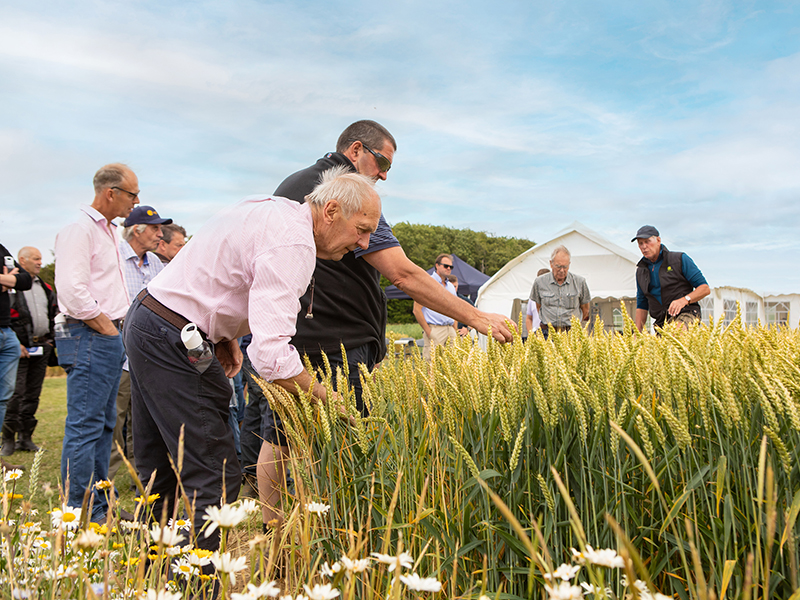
{"type": "Point", "coordinates": [145, 215]}
{"type": "Point", "coordinates": [646, 231]}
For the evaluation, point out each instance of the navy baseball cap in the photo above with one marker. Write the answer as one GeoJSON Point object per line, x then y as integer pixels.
{"type": "Point", "coordinates": [646, 231]}
{"type": "Point", "coordinates": [145, 215]}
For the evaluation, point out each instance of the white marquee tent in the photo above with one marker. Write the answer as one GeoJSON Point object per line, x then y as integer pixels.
{"type": "Point", "coordinates": [609, 271]}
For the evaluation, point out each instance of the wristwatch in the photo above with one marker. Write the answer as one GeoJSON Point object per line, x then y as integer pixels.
{"type": "Point", "coordinates": [688, 299]}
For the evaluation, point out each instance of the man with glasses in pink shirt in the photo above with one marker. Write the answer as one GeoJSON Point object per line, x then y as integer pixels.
{"type": "Point", "coordinates": [92, 298]}
{"type": "Point", "coordinates": [243, 272]}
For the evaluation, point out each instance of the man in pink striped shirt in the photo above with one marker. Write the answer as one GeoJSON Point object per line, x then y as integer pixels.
{"type": "Point", "coordinates": [244, 271]}
{"type": "Point", "coordinates": [91, 295]}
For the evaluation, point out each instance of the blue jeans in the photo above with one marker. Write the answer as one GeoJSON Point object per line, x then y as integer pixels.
{"type": "Point", "coordinates": [93, 363]}
{"type": "Point", "coordinates": [9, 359]}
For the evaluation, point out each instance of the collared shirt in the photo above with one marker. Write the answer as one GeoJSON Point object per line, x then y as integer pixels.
{"type": "Point", "coordinates": [244, 272]}
{"type": "Point", "coordinates": [136, 277]}
{"type": "Point", "coordinates": [38, 306]}
{"type": "Point", "coordinates": [431, 316]}
{"type": "Point", "coordinates": [689, 269]}
{"type": "Point", "coordinates": [88, 274]}
{"type": "Point", "coordinates": [560, 302]}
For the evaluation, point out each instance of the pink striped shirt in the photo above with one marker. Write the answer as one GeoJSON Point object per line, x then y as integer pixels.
{"type": "Point", "coordinates": [88, 274]}
{"type": "Point", "coordinates": [245, 271]}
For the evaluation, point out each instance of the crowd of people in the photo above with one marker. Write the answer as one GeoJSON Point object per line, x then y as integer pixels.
{"type": "Point", "coordinates": [149, 328]}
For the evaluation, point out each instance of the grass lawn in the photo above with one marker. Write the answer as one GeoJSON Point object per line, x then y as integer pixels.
{"type": "Point", "coordinates": [412, 330]}
{"type": "Point", "coordinates": [49, 435]}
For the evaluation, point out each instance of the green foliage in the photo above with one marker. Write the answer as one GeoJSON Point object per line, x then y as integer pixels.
{"type": "Point", "coordinates": [687, 441]}
{"type": "Point", "coordinates": [400, 311]}
{"type": "Point", "coordinates": [48, 274]}
{"type": "Point", "coordinates": [487, 253]}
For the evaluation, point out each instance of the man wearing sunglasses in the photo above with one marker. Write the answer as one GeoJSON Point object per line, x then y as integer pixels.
{"type": "Point", "coordinates": [437, 328]}
{"type": "Point", "coordinates": [346, 305]}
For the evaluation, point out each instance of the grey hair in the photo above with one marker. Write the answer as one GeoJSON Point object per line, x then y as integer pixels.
{"type": "Point", "coordinates": [167, 231]}
{"type": "Point", "coordinates": [369, 133]}
{"type": "Point", "coordinates": [560, 250]}
{"type": "Point", "coordinates": [109, 176]}
{"type": "Point", "coordinates": [347, 188]}
{"type": "Point", "coordinates": [127, 232]}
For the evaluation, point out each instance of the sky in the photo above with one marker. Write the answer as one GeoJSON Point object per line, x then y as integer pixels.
{"type": "Point", "coordinates": [514, 118]}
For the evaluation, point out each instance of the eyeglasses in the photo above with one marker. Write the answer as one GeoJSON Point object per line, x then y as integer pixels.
{"type": "Point", "coordinates": [446, 266]}
{"type": "Point", "coordinates": [560, 267]}
{"type": "Point", "coordinates": [134, 196]}
{"type": "Point", "coordinates": [384, 164]}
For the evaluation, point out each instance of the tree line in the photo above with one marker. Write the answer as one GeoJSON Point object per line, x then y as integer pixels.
{"type": "Point", "coordinates": [423, 243]}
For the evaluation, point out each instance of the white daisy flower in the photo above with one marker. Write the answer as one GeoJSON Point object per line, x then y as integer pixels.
{"type": "Point", "coordinates": [265, 590]}
{"type": "Point", "coordinates": [225, 563]}
{"type": "Point", "coordinates": [330, 571]}
{"type": "Point", "coordinates": [404, 560]}
{"type": "Point", "coordinates": [421, 584]}
{"type": "Point", "coordinates": [354, 566]}
{"type": "Point", "coordinates": [67, 517]}
{"type": "Point", "coordinates": [564, 591]}
{"type": "Point", "coordinates": [565, 572]}
{"type": "Point", "coordinates": [162, 595]}
{"type": "Point", "coordinates": [185, 569]}
{"type": "Point", "coordinates": [321, 592]}
{"type": "Point", "coordinates": [180, 524]}
{"type": "Point", "coordinates": [226, 517]}
{"type": "Point", "coordinates": [318, 508]}
{"type": "Point", "coordinates": [166, 536]}
{"type": "Point", "coordinates": [13, 474]}
{"type": "Point", "coordinates": [88, 540]}
{"type": "Point", "coordinates": [249, 505]}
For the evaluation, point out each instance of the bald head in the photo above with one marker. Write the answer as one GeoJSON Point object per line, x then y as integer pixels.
{"type": "Point", "coordinates": [30, 259]}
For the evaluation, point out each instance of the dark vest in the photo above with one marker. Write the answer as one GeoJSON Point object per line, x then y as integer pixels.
{"type": "Point", "coordinates": [349, 305]}
{"type": "Point", "coordinates": [673, 285]}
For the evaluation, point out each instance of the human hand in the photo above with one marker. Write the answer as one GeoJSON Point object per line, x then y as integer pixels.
{"type": "Point", "coordinates": [23, 352]}
{"type": "Point", "coordinates": [230, 356]}
{"type": "Point", "coordinates": [9, 281]}
{"type": "Point", "coordinates": [676, 306]}
{"type": "Point", "coordinates": [502, 327]}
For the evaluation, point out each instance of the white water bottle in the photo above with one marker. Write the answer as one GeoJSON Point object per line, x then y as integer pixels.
{"type": "Point", "coordinates": [198, 350]}
{"type": "Point", "coordinates": [61, 329]}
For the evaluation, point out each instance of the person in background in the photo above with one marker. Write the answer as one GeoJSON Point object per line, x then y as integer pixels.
{"type": "Point", "coordinates": [32, 314]}
{"type": "Point", "coordinates": [12, 280]}
{"type": "Point", "coordinates": [532, 320]}
{"type": "Point", "coordinates": [173, 238]}
{"type": "Point", "coordinates": [462, 328]}
{"type": "Point", "coordinates": [561, 295]}
{"type": "Point", "coordinates": [668, 284]}
{"type": "Point", "coordinates": [93, 300]}
{"type": "Point", "coordinates": [437, 328]}
{"type": "Point", "coordinates": [141, 235]}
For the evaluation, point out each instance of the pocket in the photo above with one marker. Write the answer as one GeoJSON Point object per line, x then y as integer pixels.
{"type": "Point", "coordinates": [67, 350]}
{"type": "Point", "coordinates": [571, 300]}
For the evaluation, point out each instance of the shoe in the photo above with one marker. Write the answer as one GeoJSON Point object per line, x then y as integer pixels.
{"type": "Point", "coordinates": [9, 467]}
{"type": "Point", "coordinates": [8, 447]}
{"type": "Point", "coordinates": [124, 515]}
{"type": "Point", "coordinates": [26, 445]}
{"type": "Point", "coordinates": [249, 490]}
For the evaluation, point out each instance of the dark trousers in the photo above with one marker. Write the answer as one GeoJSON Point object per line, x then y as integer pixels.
{"type": "Point", "coordinates": [23, 404]}
{"type": "Point", "coordinates": [262, 424]}
{"type": "Point", "coordinates": [167, 392]}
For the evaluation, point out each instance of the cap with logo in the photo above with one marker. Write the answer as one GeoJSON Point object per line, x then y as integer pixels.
{"type": "Point", "coordinates": [145, 215]}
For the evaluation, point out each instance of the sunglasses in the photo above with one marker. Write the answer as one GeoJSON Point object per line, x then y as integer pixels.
{"type": "Point", "coordinates": [446, 266]}
{"type": "Point", "coordinates": [384, 164]}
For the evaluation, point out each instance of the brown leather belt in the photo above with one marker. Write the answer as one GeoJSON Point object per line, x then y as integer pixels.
{"type": "Point", "coordinates": [169, 315]}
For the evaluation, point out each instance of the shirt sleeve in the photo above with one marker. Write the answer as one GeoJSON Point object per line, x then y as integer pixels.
{"type": "Point", "coordinates": [535, 292]}
{"type": "Point", "coordinates": [382, 239]}
{"type": "Point", "coordinates": [281, 278]}
{"type": "Point", "coordinates": [691, 272]}
{"type": "Point", "coordinates": [641, 299]}
{"type": "Point", "coordinates": [585, 296]}
{"type": "Point", "coordinates": [73, 273]}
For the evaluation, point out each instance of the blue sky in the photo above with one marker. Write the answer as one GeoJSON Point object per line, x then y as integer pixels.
{"type": "Point", "coordinates": [515, 118]}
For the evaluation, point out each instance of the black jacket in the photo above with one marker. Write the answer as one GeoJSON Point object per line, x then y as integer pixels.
{"type": "Point", "coordinates": [674, 285]}
{"type": "Point", "coordinates": [23, 283]}
{"type": "Point", "coordinates": [21, 321]}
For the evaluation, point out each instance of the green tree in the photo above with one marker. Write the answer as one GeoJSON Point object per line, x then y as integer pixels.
{"type": "Point", "coordinates": [423, 243]}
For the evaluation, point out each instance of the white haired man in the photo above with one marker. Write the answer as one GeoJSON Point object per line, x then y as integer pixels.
{"type": "Point", "coordinates": [141, 235]}
{"type": "Point", "coordinates": [560, 295]}
{"type": "Point", "coordinates": [244, 271]}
